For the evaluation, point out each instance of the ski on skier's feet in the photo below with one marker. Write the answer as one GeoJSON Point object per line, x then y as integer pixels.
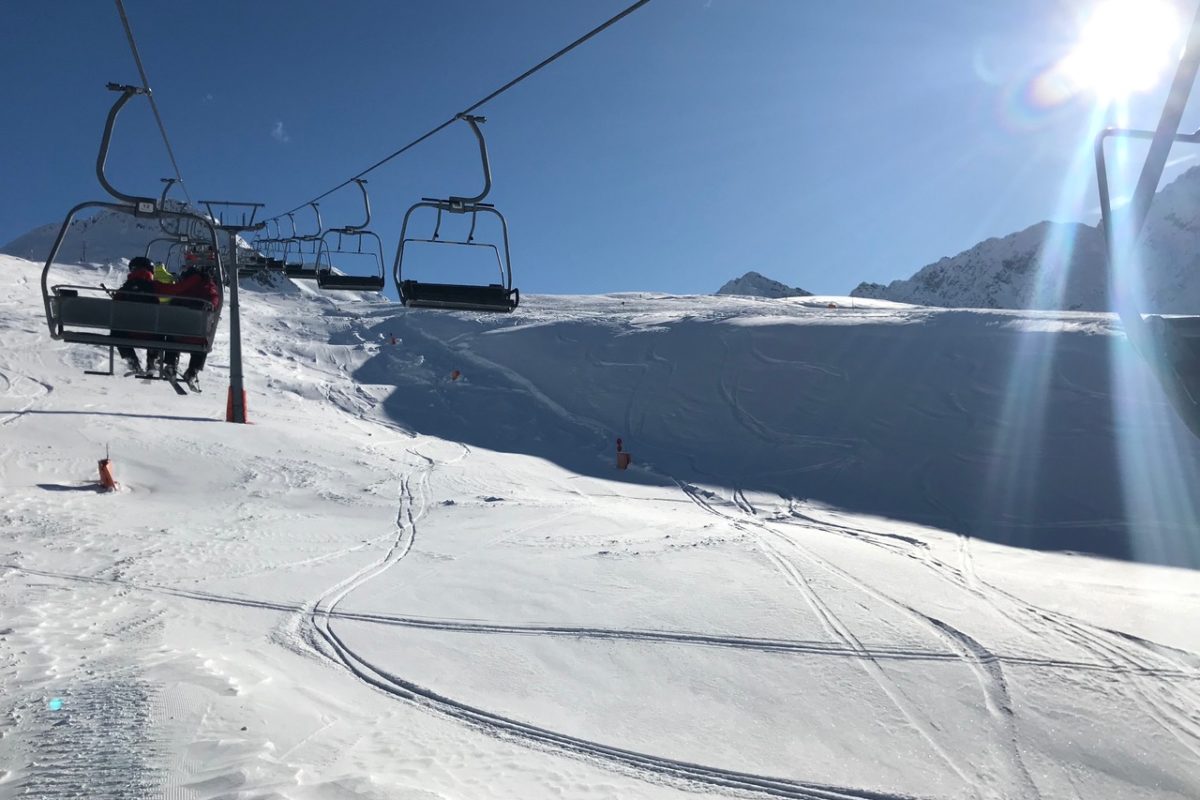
{"type": "Point", "coordinates": [146, 375]}
{"type": "Point", "coordinates": [193, 382]}
{"type": "Point", "coordinates": [175, 384]}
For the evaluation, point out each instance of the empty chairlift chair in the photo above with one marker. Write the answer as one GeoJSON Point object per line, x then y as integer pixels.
{"type": "Point", "coordinates": [501, 296]}
{"type": "Point", "coordinates": [327, 253]}
{"type": "Point", "coordinates": [269, 246]}
{"type": "Point", "coordinates": [90, 314]}
{"type": "Point", "coordinates": [301, 246]}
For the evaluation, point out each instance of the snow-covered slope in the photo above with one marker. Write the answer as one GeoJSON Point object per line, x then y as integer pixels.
{"type": "Point", "coordinates": [1061, 265]}
{"type": "Point", "coordinates": [754, 284]}
{"type": "Point", "coordinates": [399, 585]}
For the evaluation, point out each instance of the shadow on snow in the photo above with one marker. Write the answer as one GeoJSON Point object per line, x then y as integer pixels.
{"type": "Point", "coordinates": [967, 421]}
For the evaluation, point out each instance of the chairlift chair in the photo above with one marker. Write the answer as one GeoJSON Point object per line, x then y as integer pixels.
{"type": "Point", "coordinates": [327, 278]}
{"type": "Point", "coordinates": [270, 245]}
{"type": "Point", "coordinates": [501, 296]}
{"type": "Point", "coordinates": [301, 270]}
{"type": "Point", "coordinates": [91, 315]}
{"type": "Point", "coordinates": [179, 240]}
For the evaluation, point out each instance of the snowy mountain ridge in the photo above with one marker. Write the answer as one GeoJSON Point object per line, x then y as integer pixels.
{"type": "Point", "coordinates": [1064, 265]}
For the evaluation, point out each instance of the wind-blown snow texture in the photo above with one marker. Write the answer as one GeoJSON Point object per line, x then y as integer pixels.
{"type": "Point", "coordinates": [1063, 265]}
{"type": "Point", "coordinates": [398, 585]}
{"type": "Point", "coordinates": [754, 284]}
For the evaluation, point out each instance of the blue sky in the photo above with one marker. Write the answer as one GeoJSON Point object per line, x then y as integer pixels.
{"type": "Point", "coordinates": [822, 144]}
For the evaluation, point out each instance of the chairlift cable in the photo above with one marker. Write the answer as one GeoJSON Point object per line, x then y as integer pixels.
{"type": "Point", "coordinates": [150, 95]}
{"type": "Point", "coordinates": [488, 98]}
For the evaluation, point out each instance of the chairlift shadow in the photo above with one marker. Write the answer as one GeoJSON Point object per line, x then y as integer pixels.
{"type": "Point", "coordinates": [165, 417]}
{"type": "Point", "coordinates": [90, 486]}
{"type": "Point", "coordinates": [899, 422]}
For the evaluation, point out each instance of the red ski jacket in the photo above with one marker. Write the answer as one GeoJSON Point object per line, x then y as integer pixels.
{"type": "Point", "coordinates": [195, 285]}
{"type": "Point", "coordinates": [192, 285]}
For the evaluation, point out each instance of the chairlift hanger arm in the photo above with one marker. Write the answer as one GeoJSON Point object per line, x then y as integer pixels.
{"type": "Point", "coordinates": [143, 205]}
{"type": "Point", "coordinates": [362, 185]}
{"type": "Point", "coordinates": [162, 203]}
{"type": "Point", "coordinates": [320, 225]}
{"type": "Point", "coordinates": [474, 121]}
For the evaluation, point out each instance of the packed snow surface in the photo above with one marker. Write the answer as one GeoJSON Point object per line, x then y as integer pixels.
{"type": "Point", "coordinates": [869, 551]}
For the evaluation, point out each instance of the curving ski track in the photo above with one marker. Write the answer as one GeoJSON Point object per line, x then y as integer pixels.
{"type": "Point", "coordinates": [983, 664]}
{"type": "Point", "coordinates": [414, 503]}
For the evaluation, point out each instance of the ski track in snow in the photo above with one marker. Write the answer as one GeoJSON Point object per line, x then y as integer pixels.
{"type": "Point", "coordinates": [1108, 648]}
{"type": "Point", "coordinates": [837, 628]}
{"type": "Point", "coordinates": [1159, 705]}
{"type": "Point", "coordinates": [1115, 652]}
{"type": "Point", "coordinates": [323, 637]}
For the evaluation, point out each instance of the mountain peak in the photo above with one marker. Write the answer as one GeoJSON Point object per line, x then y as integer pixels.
{"type": "Point", "coordinates": [756, 284]}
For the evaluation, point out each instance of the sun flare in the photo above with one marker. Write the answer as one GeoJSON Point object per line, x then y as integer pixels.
{"type": "Point", "coordinates": [1124, 47]}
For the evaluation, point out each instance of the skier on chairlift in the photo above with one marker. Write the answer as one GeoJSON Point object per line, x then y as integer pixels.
{"type": "Point", "coordinates": [197, 283]}
{"type": "Point", "coordinates": [137, 288]}
{"type": "Point", "coordinates": [163, 275]}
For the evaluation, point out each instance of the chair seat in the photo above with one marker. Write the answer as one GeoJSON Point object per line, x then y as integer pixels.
{"type": "Point", "coordinates": [300, 272]}
{"type": "Point", "coordinates": [492, 297]}
{"type": "Point", "coordinates": [327, 279]}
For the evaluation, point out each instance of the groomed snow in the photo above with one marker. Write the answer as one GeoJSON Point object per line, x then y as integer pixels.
{"type": "Point", "coordinates": [398, 585]}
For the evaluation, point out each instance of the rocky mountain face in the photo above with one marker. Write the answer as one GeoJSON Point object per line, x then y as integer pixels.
{"type": "Point", "coordinates": [756, 285]}
{"type": "Point", "coordinates": [1064, 266]}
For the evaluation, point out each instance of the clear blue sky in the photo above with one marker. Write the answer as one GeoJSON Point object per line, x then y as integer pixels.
{"type": "Point", "coordinates": [821, 143]}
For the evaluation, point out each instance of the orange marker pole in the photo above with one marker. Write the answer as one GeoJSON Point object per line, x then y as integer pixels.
{"type": "Point", "coordinates": [107, 481]}
{"type": "Point", "coordinates": [623, 459]}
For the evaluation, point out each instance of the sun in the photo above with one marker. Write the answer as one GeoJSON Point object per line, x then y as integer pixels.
{"type": "Point", "coordinates": [1124, 48]}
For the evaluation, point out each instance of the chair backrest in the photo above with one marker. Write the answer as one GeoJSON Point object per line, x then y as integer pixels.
{"type": "Point", "coordinates": [132, 317]}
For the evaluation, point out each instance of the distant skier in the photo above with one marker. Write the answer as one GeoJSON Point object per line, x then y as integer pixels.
{"type": "Point", "coordinates": [137, 288]}
{"type": "Point", "coordinates": [196, 283]}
